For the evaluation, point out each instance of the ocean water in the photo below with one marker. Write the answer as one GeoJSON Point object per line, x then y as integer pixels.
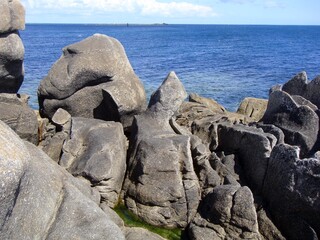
{"type": "Point", "coordinates": [223, 62]}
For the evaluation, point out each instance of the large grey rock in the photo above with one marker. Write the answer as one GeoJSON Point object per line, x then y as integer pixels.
{"type": "Point", "coordinates": [253, 147]}
{"type": "Point", "coordinates": [292, 190]}
{"type": "Point", "coordinates": [40, 200]}
{"type": "Point", "coordinates": [300, 85]}
{"type": "Point", "coordinates": [297, 85]}
{"type": "Point", "coordinates": [93, 79]}
{"type": "Point", "coordinates": [12, 16]}
{"type": "Point", "coordinates": [19, 116]}
{"type": "Point", "coordinates": [299, 123]}
{"type": "Point", "coordinates": [226, 213]}
{"type": "Point", "coordinates": [161, 185]}
{"type": "Point", "coordinates": [11, 62]}
{"type": "Point", "coordinates": [97, 150]}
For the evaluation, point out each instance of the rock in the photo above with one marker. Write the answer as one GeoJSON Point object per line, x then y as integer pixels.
{"type": "Point", "coordinates": [53, 146]}
{"type": "Point", "coordinates": [168, 98]}
{"type": "Point", "coordinates": [141, 233]}
{"type": "Point", "coordinates": [161, 185]}
{"type": "Point", "coordinates": [208, 177]}
{"type": "Point", "coordinates": [46, 129]}
{"type": "Point", "coordinates": [228, 168]}
{"type": "Point", "coordinates": [292, 190]}
{"type": "Point", "coordinates": [207, 130]}
{"type": "Point", "coordinates": [267, 228]}
{"type": "Point", "coordinates": [190, 112]}
{"type": "Point", "coordinates": [252, 146]}
{"type": "Point", "coordinates": [93, 79]}
{"type": "Point", "coordinates": [62, 119]}
{"type": "Point", "coordinates": [19, 116]}
{"type": "Point", "coordinates": [11, 62]}
{"type": "Point", "coordinates": [299, 85]}
{"type": "Point", "coordinates": [299, 123]}
{"type": "Point", "coordinates": [275, 131]}
{"type": "Point", "coordinates": [112, 215]}
{"type": "Point", "coordinates": [226, 213]}
{"type": "Point", "coordinates": [209, 103]}
{"type": "Point", "coordinates": [12, 19]}
{"type": "Point", "coordinates": [302, 101]}
{"type": "Point", "coordinates": [96, 150]}
{"type": "Point", "coordinates": [12, 16]}
{"type": "Point", "coordinates": [41, 200]}
{"type": "Point", "coordinates": [52, 143]}
{"type": "Point", "coordinates": [253, 108]}
{"type": "Point", "coordinates": [203, 232]}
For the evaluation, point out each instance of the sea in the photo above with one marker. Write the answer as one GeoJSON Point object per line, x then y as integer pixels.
{"type": "Point", "coordinates": [224, 62]}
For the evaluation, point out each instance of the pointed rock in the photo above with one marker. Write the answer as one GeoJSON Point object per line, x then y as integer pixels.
{"type": "Point", "coordinates": [161, 185]}
{"type": "Point", "coordinates": [169, 96]}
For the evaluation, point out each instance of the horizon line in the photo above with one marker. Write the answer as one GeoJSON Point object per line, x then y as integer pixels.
{"type": "Point", "coordinates": [167, 24]}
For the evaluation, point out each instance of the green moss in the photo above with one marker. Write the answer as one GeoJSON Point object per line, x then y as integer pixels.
{"type": "Point", "coordinates": [131, 220]}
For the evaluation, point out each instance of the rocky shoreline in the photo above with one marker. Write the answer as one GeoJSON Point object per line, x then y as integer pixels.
{"type": "Point", "coordinates": [96, 143]}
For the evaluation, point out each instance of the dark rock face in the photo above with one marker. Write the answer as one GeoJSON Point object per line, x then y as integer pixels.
{"type": "Point", "coordinates": [93, 79]}
{"type": "Point", "coordinates": [226, 213]}
{"type": "Point", "coordinates": [96, 150]}
{"type": "Point", "coordinates": [15, 112]}
{"type": "Point", "coordinates": [161, 186]}
{"type": "Point", "coordinates": [41, 200]}
{"type": "Point", "coordinates": [299, 123]}
{"type": "Point", "coordinates": [292, 189]}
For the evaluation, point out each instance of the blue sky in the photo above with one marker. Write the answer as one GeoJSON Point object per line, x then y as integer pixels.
{"type": "Point", "coordinates": [280, 12]}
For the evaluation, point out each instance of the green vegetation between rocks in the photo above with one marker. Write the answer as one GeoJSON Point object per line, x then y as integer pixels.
{"type": "Point", "coordinates": [131, 220]}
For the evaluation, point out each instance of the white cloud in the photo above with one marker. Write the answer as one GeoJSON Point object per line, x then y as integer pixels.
{"type": "Point", "coordinates": [264, 3]}
{"type": "Point", "coordinates": [144, 7]}
{"type": "Point", "coordinates": [237, 1]}
{"type": "Point", "coordinates": [273, 4]}
{"type": "Point", "coordinates": [151, 7]}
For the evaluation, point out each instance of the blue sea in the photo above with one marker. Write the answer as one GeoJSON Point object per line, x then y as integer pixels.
{"type": "Point", "coordinates": [223, 62]}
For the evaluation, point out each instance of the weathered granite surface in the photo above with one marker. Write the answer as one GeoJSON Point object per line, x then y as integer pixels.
{"type": "Point", "coordinates": [40, 200]}
{"type": "Point", "coordinates": [94, 79]}
{"type": "Point", "coordinates": [12, 20]}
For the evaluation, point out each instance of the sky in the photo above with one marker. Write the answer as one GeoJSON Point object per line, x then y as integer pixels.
{"type": "Point", "coordinates": [274, 12]}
